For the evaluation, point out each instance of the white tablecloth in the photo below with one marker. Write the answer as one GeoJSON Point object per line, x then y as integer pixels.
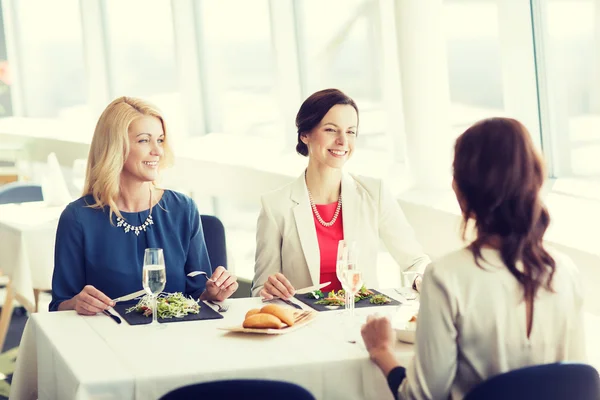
{"type": "Point", "coordinates": [27, 235]}
{"type": "Point", "coordinates": [76, 357]}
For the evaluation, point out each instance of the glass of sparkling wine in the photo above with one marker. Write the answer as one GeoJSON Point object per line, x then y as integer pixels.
{"type": "Point", "coordinates": [348, 273]}
{"type": "Point", "coordinates": [341, 263]}
{"type": "Point", "coordinates": [154, 277]}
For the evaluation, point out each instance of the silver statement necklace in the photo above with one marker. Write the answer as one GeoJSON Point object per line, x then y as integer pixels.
{"type": "Point", "coordinates": [137, 229]}
{"type": "Point", "coordinates": [314, 208]}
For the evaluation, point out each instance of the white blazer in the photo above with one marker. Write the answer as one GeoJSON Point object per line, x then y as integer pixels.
{"type": "Point", "coordinates": [286, 237]}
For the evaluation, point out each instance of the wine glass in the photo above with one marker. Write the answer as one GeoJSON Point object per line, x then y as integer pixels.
{"type": "Point", "coordinates": [154, 277]}
{"type": "Point", "coordinates": [340, 265]}
{"type": "Point", "coordinates": [348, 272]}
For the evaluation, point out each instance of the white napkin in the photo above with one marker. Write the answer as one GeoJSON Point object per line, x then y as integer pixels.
{"type": "Point", "coordinates": [54, 186]}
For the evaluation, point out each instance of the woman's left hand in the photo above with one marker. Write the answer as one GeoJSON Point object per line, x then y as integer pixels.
{"type": "Point", "coordinates": [377, 334]}
{"type": "Point", "coordinates": [224, 285]}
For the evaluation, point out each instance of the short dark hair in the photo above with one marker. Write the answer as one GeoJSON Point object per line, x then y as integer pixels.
{"type": "Point", "coordinates": [314, 109]}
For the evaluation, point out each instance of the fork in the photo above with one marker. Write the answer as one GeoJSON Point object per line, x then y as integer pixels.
{"type": "Point", "coordinates": [221, 307]}
{"type": "Point", "coordinates": [196, 273]}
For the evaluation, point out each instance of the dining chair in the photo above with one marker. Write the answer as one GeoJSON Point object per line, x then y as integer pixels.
{"type": "Point", "coordinates": [19, 192]}
{"type": "Point", "coordinates": [247, 389]}
{"type": "Point", "coordinates": [214, 236]}
{"type": "Point", "coordinates": [558, 381]}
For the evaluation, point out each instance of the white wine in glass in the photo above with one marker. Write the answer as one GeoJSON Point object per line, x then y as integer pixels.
{"type": "Point", "coordinates": [154, 277]}
{"type": "Point", "coordinates": [348, 272]}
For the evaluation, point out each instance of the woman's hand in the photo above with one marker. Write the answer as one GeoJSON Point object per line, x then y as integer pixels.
{"type": "Point", "coordinates": [224, 285]}
{"type": "Point", "coordinates": [379, 339]}
{"type": "Point", "coordinates": [277, 286]}
{"type": "Point", "coordinates": [88, 302]}
{"type": "Point", "coordinates": [377, 334]}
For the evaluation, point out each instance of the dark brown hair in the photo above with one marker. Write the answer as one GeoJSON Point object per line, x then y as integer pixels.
{"type": "Point", "coordinates": [499, 174]}
{"type": "Point", "coordinates": [314, 109]}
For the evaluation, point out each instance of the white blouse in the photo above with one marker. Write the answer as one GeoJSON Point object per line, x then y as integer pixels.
{"type": "Point", "coordinates": [472, 324]}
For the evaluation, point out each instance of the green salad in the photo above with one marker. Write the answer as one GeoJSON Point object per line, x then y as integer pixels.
{"type": "Point", "coordinates": [338, 298]}
{"type": "Point", "coordinates": [168, 305]}
{"type": "Point", "coordinates": [379, 299]}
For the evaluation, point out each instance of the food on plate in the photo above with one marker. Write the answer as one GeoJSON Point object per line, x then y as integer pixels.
{"type": "Point", "coordinates": [412, 323]}
{"type": "Point", "coordinates": [317, 294]}
{"type": "Point", "coordinates": [168, 305]}
{"type": "Point", "coordinates": [363, 293]}
{"type": "Point", "coordinates": [252, 312]}
{"type": "Point", "coordinates": [333, 299]}
{"type": "Point", "coordinates": [286, 315]}
{"type": "Point", "coordinates": [270, 316]}
{"type": "Point", "coordinates": [339, 298]}
{"type": "Point", "coordinates": [379, 299]}
{"type": "Point", "coordinates": [263, 320]}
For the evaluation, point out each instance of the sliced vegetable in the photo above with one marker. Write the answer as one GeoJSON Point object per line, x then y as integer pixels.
{"type": "Point", "coordinates": [168, 305]}
{"type": "Point", "coordinates": [379, 299]}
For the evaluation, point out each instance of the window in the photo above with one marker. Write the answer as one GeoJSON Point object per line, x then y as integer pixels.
{"type": "Point", "coordinates": [141, 47]}
{"type": "Point", "coordinates": [239, 73]}
{"type": "Point", "coordinates": [570, 77]}
{"type": "Point", "coordinates": [50, 57]}
{"type": "Point", "coordinates": [342, 46]}
{"type": "Point", "coordinates": [490, 63]}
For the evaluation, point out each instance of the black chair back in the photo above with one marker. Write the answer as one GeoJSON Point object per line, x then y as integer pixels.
{"type": "Point", "coordinates": [18, 192]}
{"type": "Point", "coordinates": [214, 235]}
{"type": "Point", "coordinates": [559, 381]}
{"type": "Point", "coordinates": [240, 389]}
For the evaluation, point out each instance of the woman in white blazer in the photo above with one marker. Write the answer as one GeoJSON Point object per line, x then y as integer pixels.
{"type": "Point", "coordinates": [477, 317]}
{"type": "Point", "coordinates": [301, 223]}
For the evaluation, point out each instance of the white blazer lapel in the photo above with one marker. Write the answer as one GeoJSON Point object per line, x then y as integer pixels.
{"type": "Point", "coordinates": [350, 207]}
{"type": "Point", "coordinates": [306, 229]}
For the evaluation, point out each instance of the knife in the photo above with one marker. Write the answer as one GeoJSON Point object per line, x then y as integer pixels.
{"type": "Point", "coordinates": [117, 319]}
{"type": "Point", "coordinates": [312, 288]}
{"type": "Point", "coordinates": [130, 296]}
{"type": "Point", "coordinates": [291, 303]}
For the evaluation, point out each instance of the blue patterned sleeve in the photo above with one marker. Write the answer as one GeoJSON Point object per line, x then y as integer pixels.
{"type": "Point", "coordinates": [197, 257]}
{"type": "Point", "coordinates": [68, 278]}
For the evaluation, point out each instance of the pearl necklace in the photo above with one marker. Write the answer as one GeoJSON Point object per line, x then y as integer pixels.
{"type": "Point", "coordinates": [314, 208]}
{"type": "Point", "coordinates": [137, 229]}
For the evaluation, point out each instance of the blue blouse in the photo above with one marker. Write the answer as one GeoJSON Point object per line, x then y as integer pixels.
{"type": "Point", "coordinates": [90, 250]}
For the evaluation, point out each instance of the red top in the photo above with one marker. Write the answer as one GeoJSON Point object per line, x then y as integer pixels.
{"type": "Point", "coordinates": [328, 238]}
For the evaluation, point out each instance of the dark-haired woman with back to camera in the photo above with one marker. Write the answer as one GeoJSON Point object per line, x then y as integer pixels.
{"type": "Point", "coordinates": [300, 225]}
{"type": "Point", "coordinates": [503, 302]}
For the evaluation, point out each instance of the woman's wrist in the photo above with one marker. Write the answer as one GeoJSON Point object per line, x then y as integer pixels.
{"type": "Point", "coordinates": [384, 359]}
{"type": "Point", "coordinates": [66, 305]}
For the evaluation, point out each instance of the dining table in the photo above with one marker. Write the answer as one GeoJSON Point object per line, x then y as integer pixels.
{"type": "Point", "coordinates": [64, 355]}
{"type": "Point", "coordinates": [27, 236]}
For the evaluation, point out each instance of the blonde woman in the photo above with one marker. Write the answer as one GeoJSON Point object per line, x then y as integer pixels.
{"type": "Point", "coordinates": [102, 236]}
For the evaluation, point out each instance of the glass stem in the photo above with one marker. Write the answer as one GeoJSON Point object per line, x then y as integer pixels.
{"type": "Point", "coordinates": [351, 299]}
{"type": "Point", "coordinates": [154, 320]}
{"type": "Point", "coordinates": [347, 302]}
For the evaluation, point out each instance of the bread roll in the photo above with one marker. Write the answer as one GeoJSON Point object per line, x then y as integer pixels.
{"type": "Point", "coordinates": [261, 320]}
{"type": "Point", "coordinates": [284, 314]}
{"type": "Point", "coordinates": [252, 312]}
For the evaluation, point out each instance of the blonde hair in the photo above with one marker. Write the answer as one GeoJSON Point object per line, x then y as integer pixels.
{"type": "Point", "coordinates": [110, 148]}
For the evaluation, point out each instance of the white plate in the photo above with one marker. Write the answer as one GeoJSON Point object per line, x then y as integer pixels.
{"type": "Point", "coordinates": [405, 335]}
